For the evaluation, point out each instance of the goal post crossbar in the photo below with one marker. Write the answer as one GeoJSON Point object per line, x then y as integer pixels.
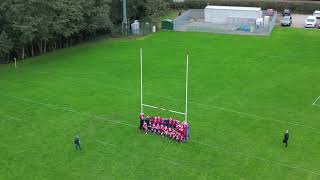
{"type": "Point", "coordinates": [155, 107]}
{"type": "Point", "coordinates": [163, 109]}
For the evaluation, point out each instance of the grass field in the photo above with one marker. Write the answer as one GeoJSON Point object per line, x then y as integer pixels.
{"type": "Point", "coordinates": [245, 92]}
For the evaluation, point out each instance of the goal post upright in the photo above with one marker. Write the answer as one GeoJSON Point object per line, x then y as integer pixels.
{"type": "Point", "coordinates": [187, 74]}
{"type": "Point", "coordinates": [141, 90]}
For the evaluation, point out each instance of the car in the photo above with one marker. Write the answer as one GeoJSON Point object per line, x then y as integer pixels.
{"type": "Point", "coordinates": [269, 12]}
{"type": "Point", "coordinates": [310, 22]}
{"type": "Point", "coordinates": [286, 12]}
{"type": "Point", "coordinates": [286, 21]}
{"type": "Point", "coordinates": [317, 14]}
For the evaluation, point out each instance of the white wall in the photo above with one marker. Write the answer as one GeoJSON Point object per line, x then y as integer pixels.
{"type": "Point", "coordinates": [221, 16]}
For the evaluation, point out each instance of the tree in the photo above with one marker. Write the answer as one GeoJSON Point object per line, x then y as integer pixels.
{"type": "Point", "coordinates": [67, 19]}
{"type": "Point", "coordinates": [22, 25]}
{"type": "Point", "coordinates": [31, 27]}
{"type": "Point", "coordinates": [116, 11]}
{"type": "Point", "coordinates": [5, 46]}
{"type": "Point", "coordinates": [42, 15]}
{"type": "Point", "coordinates": [156, 9]}
{"type": "Point", "coordinates": [136, 9]}
{"type": "Point", "coordinates": [96, 17]}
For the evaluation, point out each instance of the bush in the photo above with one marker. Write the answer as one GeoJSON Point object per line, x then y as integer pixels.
{"type": "Point", "coordinates": [305, 7]}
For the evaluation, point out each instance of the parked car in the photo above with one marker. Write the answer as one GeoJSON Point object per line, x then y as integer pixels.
{"type": "Point", "coordinates": [286, 21]}
{"type": "Point", "coordinates": [311, 22]}
{"type": "Point", "coordinates": [317, 14]}
{"type": "Point", "coordinates": [286, 12]}
{"type": "Point", "coordinates": [269, 12]}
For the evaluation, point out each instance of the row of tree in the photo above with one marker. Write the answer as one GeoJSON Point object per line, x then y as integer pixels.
{"type": "Point", "coordinates": [33, 27]}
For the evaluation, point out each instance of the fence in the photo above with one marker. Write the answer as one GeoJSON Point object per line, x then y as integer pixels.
{"type": "Point", "coordinates": [145, 28]}
{"type": "Point", "coordinates": [193, 21]}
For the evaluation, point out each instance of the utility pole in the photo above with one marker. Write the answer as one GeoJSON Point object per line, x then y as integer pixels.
{"type": "Point", "coordinates": [124, 18]}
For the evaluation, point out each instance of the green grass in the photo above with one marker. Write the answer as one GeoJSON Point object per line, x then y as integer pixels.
{"type": "Point", "coordinates": [245, 92]}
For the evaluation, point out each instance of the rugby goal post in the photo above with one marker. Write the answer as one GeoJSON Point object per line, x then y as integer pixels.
{"type": "Point", "coordinates": [160, 108]}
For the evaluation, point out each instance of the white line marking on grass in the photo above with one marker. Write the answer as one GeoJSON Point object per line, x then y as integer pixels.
{"type": "Point", "coordinates": [99, 83]}
{"type": "Point", "coordinates": [105, 143]}
{"type": "Point", "coordinates": [176, 164]}
{"type": "Point", "coordinates": [235, 152]}
{"type": "Point", "coordinates": [76, 74]}
{"type": "Point", "coordinates": [241, 113]}
{"type": "Point", "coordinates": [216, 107]}
{"type": "Point", "coordinates": [10, 117]}
{"type": "Point", "coordinates": [254, 116]}
{"type": "Point", "coordinates": [315, 102]}
{"type": "Point", "coordinates": [208, 145]}
{"type": "Point", "coordinates": [55, 107]}
{"type": "Point", "coordinates": [170, 161]}
{"type": "Point", "coordinates": [21, 151]}
{"type": "Point", "coordinates": [256, 157]}
{"type": "Point", "coordinates": [223, 109]}
{"type": "Point", "coordinates": [220, 108]}
{"type": "Point", "coordinates": [116, 122]}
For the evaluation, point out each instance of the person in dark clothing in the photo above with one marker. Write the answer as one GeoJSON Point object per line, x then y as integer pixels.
{"type": "Point", "coordinates": [141, 120]}
{"type": "Point", "coordinates": [286, 138]}
{"type": "Point", "coordinates": [147, 120]}
{"type": "Point", "coordinates": [166, 122]}
{"type": "Point", "coordinates": [77, 142]}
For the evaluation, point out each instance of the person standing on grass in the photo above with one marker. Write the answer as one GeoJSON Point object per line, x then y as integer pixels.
{"type": "Point", "coordinates": [77, 142]}
{"type": "Point", "coordinates": [141, 120]}
{"type": "Point", "coordinates": [286, 138]}
{"type": "Point", "coordinates": [145, 127]}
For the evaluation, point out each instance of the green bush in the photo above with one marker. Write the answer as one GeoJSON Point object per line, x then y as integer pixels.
{"type": "Point", "coordinates": [305, 7]}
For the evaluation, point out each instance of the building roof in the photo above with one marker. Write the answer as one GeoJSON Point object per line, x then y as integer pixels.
{"type": "Point", "coordinates": [236, 8]}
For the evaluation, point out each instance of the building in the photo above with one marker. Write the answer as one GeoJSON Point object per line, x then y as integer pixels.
{"type": "Point", "coordinates": [225, 14]}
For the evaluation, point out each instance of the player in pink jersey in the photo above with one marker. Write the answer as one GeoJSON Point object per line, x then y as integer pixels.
{"type": "Point", "coordinates": [156, 128]}
{"type": "Point", "coordinates": [153, 128]}
{"type": "Point", "coordinates": [181, 138]}
{"type": "Point", "coordinates": [181, 128]}
{"type": "Point", "coordinates": [170, 122]}
{"type": "Point", "coordinates": [174, 123]}
{"type": "Point", "coordinates": [177, 136]}
{"type": "Point", "coordinates": [162, 120]}
{"type": "Point", "coordinates": [145, 127]}
{"type": "Point", "coordinates": [169, 132]}
{"type": "Point", "coordinates": [161, 129]}
{"type": "Point", "coordinates": [155, 120]}
{"type": "Point", "coordinates": [152, 120]}
{"type": "Point", "coordinates": [166, 131]}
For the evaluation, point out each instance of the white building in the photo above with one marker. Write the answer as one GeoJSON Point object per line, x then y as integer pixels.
{"type": "Point", "coordinates": [223, 14]}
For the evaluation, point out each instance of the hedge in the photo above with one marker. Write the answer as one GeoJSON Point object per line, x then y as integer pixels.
{"type": "Point", "coordinates": [303, 7]}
